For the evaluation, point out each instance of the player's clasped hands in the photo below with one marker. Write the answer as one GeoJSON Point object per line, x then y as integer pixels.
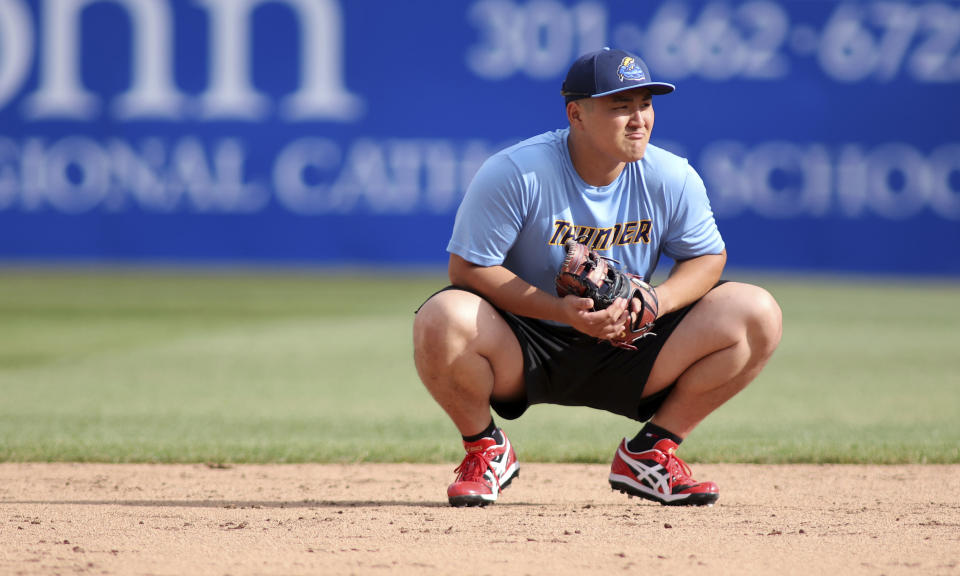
{"type": "Point", "coordinates": [601, 324]}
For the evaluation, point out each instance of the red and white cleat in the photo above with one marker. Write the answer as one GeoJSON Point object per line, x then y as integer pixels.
{"type": "Point", "coordinates": [487, 469]}
{"type": "Point", "coordinates": [659, 475]}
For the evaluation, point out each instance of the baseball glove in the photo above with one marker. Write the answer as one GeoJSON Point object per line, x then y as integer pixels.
{"type": "Point", "coordinates": [586, 274]}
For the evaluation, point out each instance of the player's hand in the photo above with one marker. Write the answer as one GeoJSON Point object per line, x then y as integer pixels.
{"type": "Point", "coordinates": [601, 324]}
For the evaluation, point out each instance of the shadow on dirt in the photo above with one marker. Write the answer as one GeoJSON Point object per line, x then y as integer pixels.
{"type": "Point", "coordinates": [239, 504]}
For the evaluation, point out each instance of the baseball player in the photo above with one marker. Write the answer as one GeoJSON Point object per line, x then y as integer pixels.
{"type": "Point", "coordinates": [501, 337]}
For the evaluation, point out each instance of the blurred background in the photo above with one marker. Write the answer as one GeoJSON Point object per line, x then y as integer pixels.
{"type": "Point", "coordinates": [205, 207]}
{"type": "Point", "coordinates": [326, 132]}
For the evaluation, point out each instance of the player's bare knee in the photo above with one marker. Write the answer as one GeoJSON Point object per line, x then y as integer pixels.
{"type": "Point", "coordinates": [430, 343]}
{"type": "Point", "coordinates": [765, 322]}
{"type": "Point", "coordinates": [441, 322]}
{"type": "Point", "coordinates": [430, 326]}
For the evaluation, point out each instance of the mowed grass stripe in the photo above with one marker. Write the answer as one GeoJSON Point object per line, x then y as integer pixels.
{"type": "Point", "coordinates": [226, 366]}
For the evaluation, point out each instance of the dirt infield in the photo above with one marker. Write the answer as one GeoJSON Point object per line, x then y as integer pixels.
{"type": "Point", "coordinates": [555, 519]}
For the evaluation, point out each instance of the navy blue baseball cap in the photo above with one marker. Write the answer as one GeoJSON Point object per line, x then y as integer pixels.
{"type": "Point", "coordinates": [606, 72]}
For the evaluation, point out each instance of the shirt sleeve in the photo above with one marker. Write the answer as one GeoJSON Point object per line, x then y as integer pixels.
{"type": "Point", "coordinates": [491, 214]}
{"type": "Point", "coordinates": [693, 230]}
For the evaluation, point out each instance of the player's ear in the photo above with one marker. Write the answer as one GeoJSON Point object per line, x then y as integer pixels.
{"type": "Point", "coordinates": [575, 112]}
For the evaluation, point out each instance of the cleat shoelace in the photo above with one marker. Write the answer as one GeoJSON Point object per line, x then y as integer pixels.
{"type": "Point", "coordinates": [678, 470]}
{"type": "Point", "coordinates": [474, 466]}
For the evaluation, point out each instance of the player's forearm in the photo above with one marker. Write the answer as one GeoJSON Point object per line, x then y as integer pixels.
{"type": "Point", "coordinates": [505, 289]}
{"type": "Point", "coordinates": [689, 280]}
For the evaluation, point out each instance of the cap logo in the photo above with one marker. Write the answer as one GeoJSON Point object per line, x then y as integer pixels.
{"type": "Point", "coordinates": [629, 70]}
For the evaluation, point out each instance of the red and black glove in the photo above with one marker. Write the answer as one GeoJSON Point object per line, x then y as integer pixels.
{"type": "Point", "coordinates": [586, 274]}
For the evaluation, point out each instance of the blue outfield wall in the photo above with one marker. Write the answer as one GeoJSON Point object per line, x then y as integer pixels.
{"type": "Point", "coordinates": [325, 131]}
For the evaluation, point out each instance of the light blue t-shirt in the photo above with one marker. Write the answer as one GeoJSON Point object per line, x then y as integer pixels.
{"type": "Point", "coordinates": [526, 200]}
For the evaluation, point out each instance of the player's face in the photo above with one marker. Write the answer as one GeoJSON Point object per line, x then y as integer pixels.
{"type": "Point", "coordinates": [619, 125]}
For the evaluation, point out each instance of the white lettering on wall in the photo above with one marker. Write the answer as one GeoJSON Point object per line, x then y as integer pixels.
{"type": "Point", "coordinates": [77, 174]}
{"type": "Point", "coordinates": [309, 176]}
{"type": "Point", "coordinates": [893, 180]}
{"type": "Point", "coordinates": [231, 94]}
{"type": "Point", "coordinates": [153, 93]}
{"type": "Point", "coordinates": [776, 179]}
{"type": "Point", "coordinates": [302, 172]}
{"type": "Point", "coordinates": [945, 167]}
{"type": "Point", "coordinates": [315, 176]}
{"type": "Point", "coordinates": [16, 47]}
{"type": "Point", "coordinates": [322, 94]}
{"type": "Point", "coordinates": [214, 184]}
{"type": "Point", "coordinates": [61, 93]}
{"type": "Point", "coordinates": [9, 181]}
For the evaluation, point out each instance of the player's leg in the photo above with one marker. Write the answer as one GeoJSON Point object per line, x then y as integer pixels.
{"type": "Point", "coordinates": [466, 355]}
{"type": "Point", "coordinates": [719, 347]}
{"type": "Point", "coordinates": [716, 350]}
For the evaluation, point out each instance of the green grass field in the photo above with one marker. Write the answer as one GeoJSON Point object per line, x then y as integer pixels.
{"type": "Point", "coordinates": [154, 366]}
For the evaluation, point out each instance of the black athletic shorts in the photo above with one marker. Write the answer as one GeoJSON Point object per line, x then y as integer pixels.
{"type": "Point", "coordinates": [564, 366]}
